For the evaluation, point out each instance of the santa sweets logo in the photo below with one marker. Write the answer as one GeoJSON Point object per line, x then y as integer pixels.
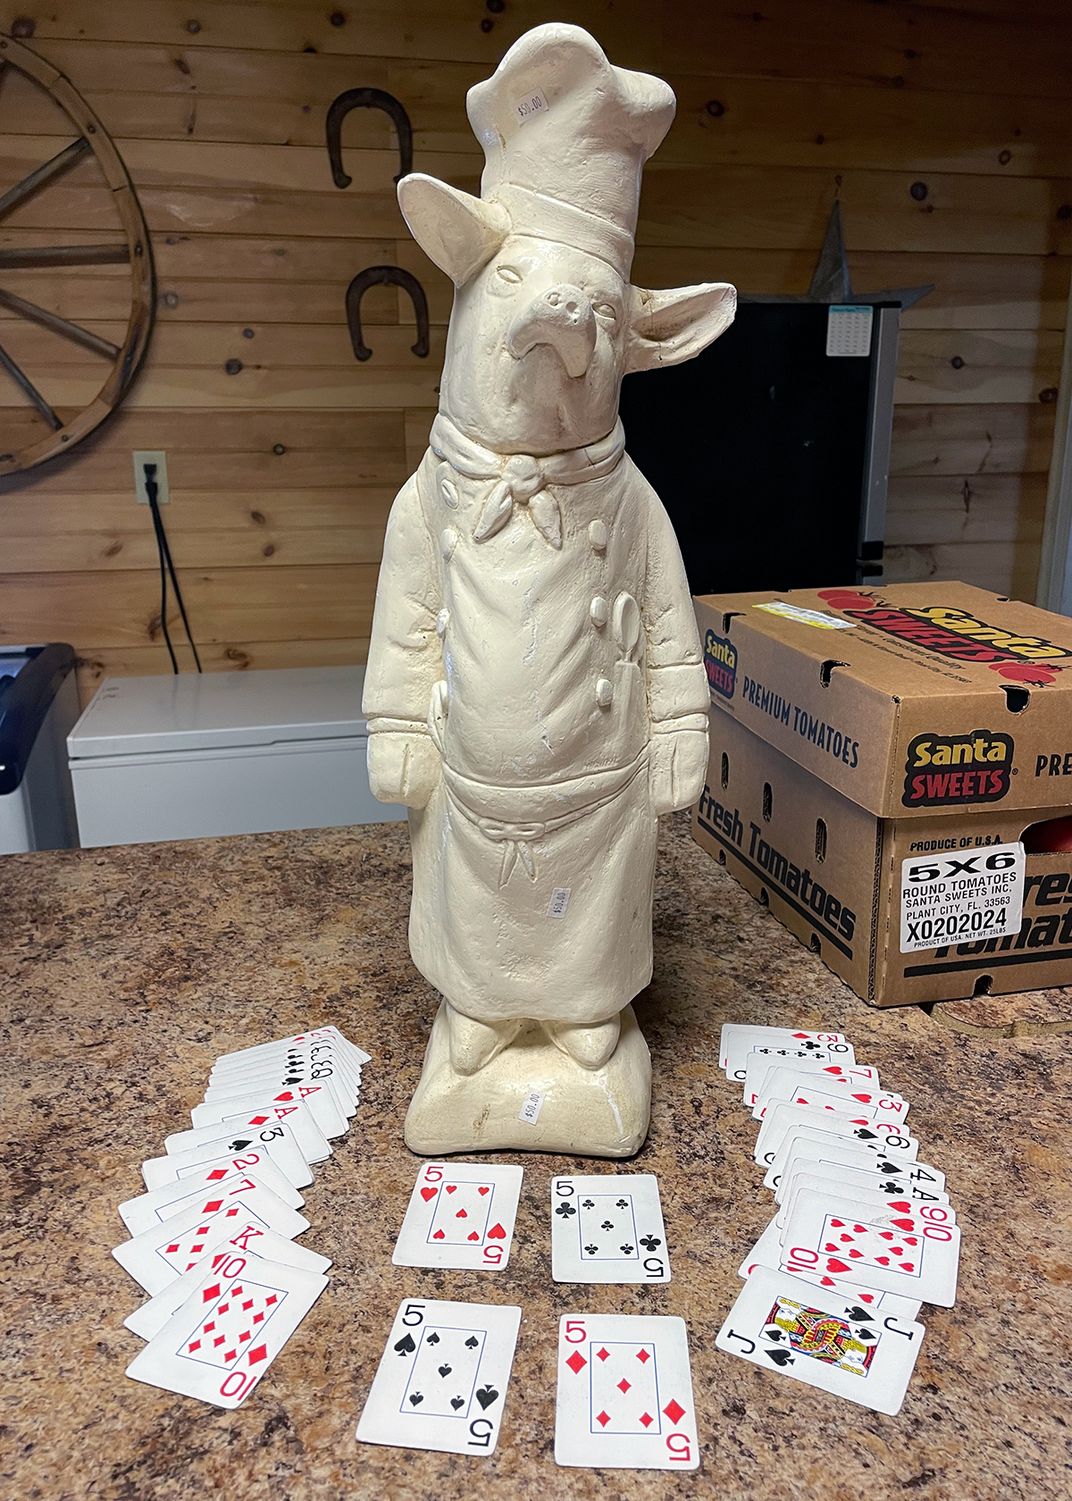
{"type": "Point", "coordinates": [720, 664]}
{"type": "Point", "coordinates": [945, 769]}
{"type": "Point", "coordinates": [958, 635]}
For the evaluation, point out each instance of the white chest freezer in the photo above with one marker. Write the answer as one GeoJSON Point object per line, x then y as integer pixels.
{"type": "Point", "coordinates": [222, 753]}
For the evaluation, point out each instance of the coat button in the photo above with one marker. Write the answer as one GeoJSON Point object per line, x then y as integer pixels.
{"type": "Point", "coordinates": [604, 693]}
{"type": "Point", "coordinates": [447, 488]}
{"type": "Point", "coordinates": [448, 541]}
{"type": "Point", "coordinates": [599, 610]}
{"type": "Point", "coordinates": [441, 623]}
{"type": "Point", "coordinates": [597, 535]}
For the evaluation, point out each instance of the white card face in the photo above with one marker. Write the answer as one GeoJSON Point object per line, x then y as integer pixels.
{"type": "Point", "coordinates": [460, 1214]}
{"type": "Point", "coordinates": [441, 1382]}
{"type": "Point", "coordinates": [865, 1246]}
{"type": "Point", "coordinates": [306, 1119]}
{"type": "Point", "coordinates": [767, 1253]}
{"type": "Point", "coordinates": [311, 1063]}
{"type": "Point", "coordinates": [249, 1247]}
{"type": "Point", "coordinates": [281, 1044]}
{"type": "Point", "coordinates": [856, 1179]}
{"type": "Point", "coordinates": [311, 1141]}
{"type": "Point", "coordinates": [624, 1394]}
{"type": "Point", "coordinates": [804, 1147]}
{"type": "Point", "coordinates": [788, 1082]}
{"type": "Point", "coordinates": [276, 1139]}
{"type": "Point", "coordinates": [823, 1183]}
{"type": "Point", "coordinates": [826, 1136]}
{"type": "Point", "coordinates": [783, 1324]}
{"type": "Point", "coordinates": [738, 1041]}
{"type": "Point", "coordinates": [759, 1067]}
{"type": "Point", "coordinates": [834, 1099]}
{"type": "Point", "coordinates": [166, 1251]}
{"type": "Point", "coordinates": [608, 1227]}
{"type": "Point", "coordinates": [860, 1125]}
{"type": "Point", "coordinates": [228, 1332]}
{"type": "Point", "coordinates": [172, 1198]}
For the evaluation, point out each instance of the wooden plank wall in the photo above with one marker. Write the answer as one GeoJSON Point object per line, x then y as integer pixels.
{"type": "Point", "coordinates": [944, 126]}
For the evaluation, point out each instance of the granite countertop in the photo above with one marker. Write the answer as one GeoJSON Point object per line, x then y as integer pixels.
{"type": "Point", "coordinates": [125, 972]}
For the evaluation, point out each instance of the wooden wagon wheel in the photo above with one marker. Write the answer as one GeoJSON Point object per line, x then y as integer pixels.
{"type": "Point", "coordinates": [134, 249]}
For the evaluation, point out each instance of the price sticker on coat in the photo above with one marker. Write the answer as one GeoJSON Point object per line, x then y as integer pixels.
{"type": "Point", "coordinates": [964, 896]}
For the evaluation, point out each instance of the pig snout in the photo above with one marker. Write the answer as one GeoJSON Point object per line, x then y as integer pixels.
{"type": "Point", "coordinates": [561, 318]}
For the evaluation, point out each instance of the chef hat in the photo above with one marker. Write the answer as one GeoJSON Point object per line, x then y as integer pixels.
{"type": "Point", "coordinates": [566, 135]}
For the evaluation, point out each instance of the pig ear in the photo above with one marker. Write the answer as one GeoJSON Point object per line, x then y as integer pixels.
{"type": "Point", "coordinates": [669, 327]}
{"type": "Point", "coordinates": [454, 229]}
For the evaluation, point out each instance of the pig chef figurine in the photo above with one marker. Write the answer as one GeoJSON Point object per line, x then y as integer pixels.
{"type": "Point", "coordinates": [535, 692]}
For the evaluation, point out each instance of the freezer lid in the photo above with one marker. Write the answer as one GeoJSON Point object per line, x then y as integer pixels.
{"type": "Point", "coordinates": [136, 716]}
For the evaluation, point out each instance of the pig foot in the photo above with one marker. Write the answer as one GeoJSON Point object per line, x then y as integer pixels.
{"type": "Point", "coordinates": [474, 1044]}
{"type": "Point", "coordinates": [590, 1046]}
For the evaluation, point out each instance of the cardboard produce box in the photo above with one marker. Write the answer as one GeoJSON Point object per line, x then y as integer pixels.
{"type": "Point", "coordinates": [879, 761]}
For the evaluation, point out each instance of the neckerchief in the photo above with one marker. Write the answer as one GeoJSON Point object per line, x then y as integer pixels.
{"type": "Point", "coordinates": [522, 480]}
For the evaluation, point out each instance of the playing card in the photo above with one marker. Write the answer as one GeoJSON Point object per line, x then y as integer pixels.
{"type": "Point", "coordinates": [832, 1184]}
{"type": "Point", "coordinates": [441, 1382]}
{"type": "Point", "coordinates": [835, 1097]}
{"type": "Point", "coordinates": [308, 1063]}
{"type": "Point", "coordinates": [829, 1135]}
{"type": "Point", "coordinates": [855, 1179]}
{"type": "Point", "coordinates": [608, 1227]}
{"type": "Point", "coordinates": [313, 1108]}
{"type": "Point", "coordinates": [460, 1214]}
{"type": "Point", "coordinates": [163, 1252]}
{"type": "Point", "coordinates": [282, 1044]}
{"type": "Point", "coordinates": [246, 1248]}
{"type": "Point", "coordinates": [172, 1198]}
{"type": "Point", "coordinates": [861, 1124]}
{"type": "Point", "coordinates": [797, 1086]}
{"type": "Point", "coordinates": [624, 1393]}
{"type": "Point", "coordinates": [738, 1041]}
{"type": "Point", "coordinates": [228, 1332]}
{"type": "Point", "coordinates": [311, 1141]}
{"type": "Point", "coordinates": [900, 1253]}
{"type": "Point", "coordinates": [760, 1066]}
{"type": "Point", "coordinates": [783, 1324]}
{"type": "Point", "coordinates": [806, 1148]}
{"type": "Point", "coordinates": [767, 1253]}
{"type": "Point", "coordinates": [277, 1140]}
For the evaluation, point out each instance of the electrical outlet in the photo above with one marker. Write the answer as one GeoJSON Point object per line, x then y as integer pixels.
{"type": "Point", "coordinates": [143, 456]}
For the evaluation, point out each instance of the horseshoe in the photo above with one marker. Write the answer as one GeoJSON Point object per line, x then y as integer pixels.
{"type": "Point", "coordinates": [376, 276]}
{"type": "Point", "coordinates": [367, 99]}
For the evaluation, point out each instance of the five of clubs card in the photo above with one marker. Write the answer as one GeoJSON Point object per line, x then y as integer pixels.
{"type": "Point", "coordinates": [608, 1228]}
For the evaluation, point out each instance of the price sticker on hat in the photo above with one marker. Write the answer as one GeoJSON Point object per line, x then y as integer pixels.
{"type": "Point", "coordinates": [964, 896]}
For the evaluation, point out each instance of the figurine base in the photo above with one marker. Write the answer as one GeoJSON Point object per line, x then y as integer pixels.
{"type": "Point", "coordinates": [600, 1112]}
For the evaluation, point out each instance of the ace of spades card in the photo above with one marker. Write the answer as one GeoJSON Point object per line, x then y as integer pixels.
{"type": "Point", "coordinates": [823, 1339]}
{"type": "Point", "coordinates": [460, 1215]}
{"type": "Point", "coordinates": [624, 1394]}
{"type": "Point", "coordinates": [441, 1382]}
{"type": "Point", "coordinates": [608, 1228]}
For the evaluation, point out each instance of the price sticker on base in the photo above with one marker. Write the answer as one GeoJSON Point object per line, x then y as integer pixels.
{"type": "Point", "coordinates": [964, 896]}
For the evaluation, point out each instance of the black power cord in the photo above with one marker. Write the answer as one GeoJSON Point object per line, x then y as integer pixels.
{"type": "Point", "coordinates": [167, 570]}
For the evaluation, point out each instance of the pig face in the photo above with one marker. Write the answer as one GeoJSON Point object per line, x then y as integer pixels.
{"type": "Point", "coordinates": [542, 332]}
{"type": "Point", "coordinates": [537, 348]}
